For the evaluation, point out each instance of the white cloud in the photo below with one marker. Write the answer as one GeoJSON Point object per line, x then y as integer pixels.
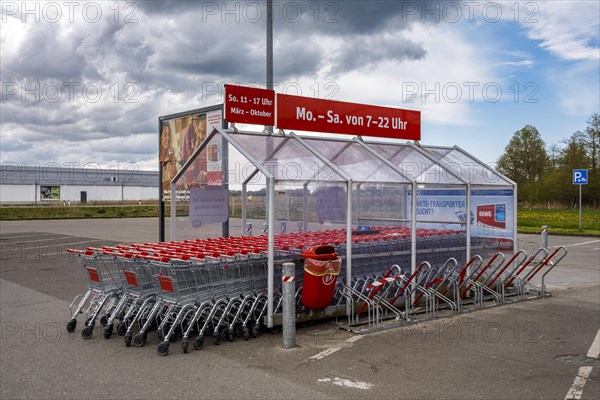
{"type": "Point", "coordinates": [567, 29]}
{"type": "Point", "coordinates": [168, 55]}
{"type": "Point", "coordinates": [453, 73]}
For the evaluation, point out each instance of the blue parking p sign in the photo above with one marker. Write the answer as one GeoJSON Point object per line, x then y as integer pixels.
{"type": "Point", "coordinates": [580, 177]}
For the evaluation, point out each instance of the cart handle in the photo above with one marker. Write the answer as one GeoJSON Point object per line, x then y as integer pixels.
{"type": "Point", "coordinates": [111, 252]}
{"type": "Point", "coordinates": [156, 258]}
{"type": "Point", "coordinates": [85, 252]}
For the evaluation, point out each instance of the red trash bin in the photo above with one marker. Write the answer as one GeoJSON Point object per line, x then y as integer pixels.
{"type": "Point", "coordinates": [321, 268]}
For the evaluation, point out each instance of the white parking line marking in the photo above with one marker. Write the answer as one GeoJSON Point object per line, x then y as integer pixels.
{"type": "Point", "coordinates": [354, 338]}
{"type": "Point", "coordinates": [348, 383]}
{"type": "Point", "coordinates": [594, 351]}
{"type": "Point", "coordinates": [69, 244]}
{"type": "Point", "coordinates": [4, 237]}
{"type": "Point", "coordinates": [576, 390]}
{"type": "Point", "coordinates": [325, 353]}
{"type": "Point", "coordinates": [577, 244]}
{"type": "Point", "coordinates": [54, 246]}
{"type": "Point", "coordinates": [42, 240]}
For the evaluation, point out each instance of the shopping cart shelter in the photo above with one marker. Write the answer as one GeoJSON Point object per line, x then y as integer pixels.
{"type": "Point", "coordinates": [376, 228]}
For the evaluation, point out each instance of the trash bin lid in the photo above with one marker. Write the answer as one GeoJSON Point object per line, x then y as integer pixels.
{"type": "Point", "coordinates": [321, 252]}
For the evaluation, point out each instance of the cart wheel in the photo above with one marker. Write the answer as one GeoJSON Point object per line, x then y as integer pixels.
{"type": "Point", "coordinates": [163, 348]}
{"type": "Point", "coordinates": [87, 332]}
{"type": "Point", "coordinates": [239, 330]}
{"type": "Point", "coordinates": [199, 342]}
{"type": "Point", "coordinates": [127, 339]}
{"type": "Point", "coordinates": [104, 319]}
{"type": "Point", "coordinates": [226, 335]}
{"type": "Point", "coordinates": [139, 339]}
{"type": "Point", "coordinates": [275, 329]}
{"type": "Point", "coordinates": [246, 333]}
{"type": "Point", "coordinates": [71, 325]}
{"type": "Point", "coordinates": [217, 338]}
{"type": "Point", "coordinates": [255, 330]}
{"type": "Point", "coordinates": [107, 332]}
{"type": "Point", "coordinates": [184, 344]}
{"type": "Point", "coordinates": [121, 328]}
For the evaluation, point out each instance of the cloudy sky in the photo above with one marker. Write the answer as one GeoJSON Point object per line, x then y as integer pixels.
{"type": "Point", "coordinates": [84, 82]}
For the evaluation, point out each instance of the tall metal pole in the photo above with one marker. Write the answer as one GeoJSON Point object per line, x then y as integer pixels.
{"type": "Point", "coordinates": [161, 198]}
{"type": "Point", "coordinates": [269, 129]}
{"type": "Point", "coordinates": [270, 44]}
{"type": "Point", "coordinates": [580, 207]}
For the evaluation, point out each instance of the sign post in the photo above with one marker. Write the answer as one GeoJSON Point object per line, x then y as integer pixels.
{"type": "Point", "coordinates": [580, 177]}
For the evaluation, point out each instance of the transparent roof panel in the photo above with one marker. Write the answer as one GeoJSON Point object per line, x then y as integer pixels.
{"type": "Point", "coordinates": [355, 161]}
{"type": "Point", "coordinates": [466, 167]}
{"type": "Point", "coordinates": [285, 158]}
{"type": "Point", "coordinates": [414, 164]}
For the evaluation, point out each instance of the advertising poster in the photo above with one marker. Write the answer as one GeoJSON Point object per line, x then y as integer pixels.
{"type": "Point", "coordinates": [436, 209]}
{"type": "Point", "coordinates": [179, 138]}
{"type": "Point", "coordinates": [214, 164]}
{"type": "Point", "coordinates": [492, 213]}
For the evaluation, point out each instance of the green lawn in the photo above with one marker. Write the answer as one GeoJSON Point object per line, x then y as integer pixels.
{"type": "Point", "coordinates": [56, 212]}
{"type": "Point", "coordinates": [530, 220]}
{"type": "Point", "coordinates": [559, 221]}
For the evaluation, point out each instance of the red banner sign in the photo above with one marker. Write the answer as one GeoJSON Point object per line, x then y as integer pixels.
{"type": "Point", "coordinates": [248, 105]}
{"type": "Point", "coordinates": [308, 114]}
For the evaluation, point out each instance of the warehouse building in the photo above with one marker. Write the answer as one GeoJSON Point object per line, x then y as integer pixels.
{"type": "Point", "coordinates": [54, 183]}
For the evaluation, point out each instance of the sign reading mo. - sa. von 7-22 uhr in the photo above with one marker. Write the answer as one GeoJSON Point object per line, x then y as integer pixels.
{"type": "Point", "coordinates": [263, 107]}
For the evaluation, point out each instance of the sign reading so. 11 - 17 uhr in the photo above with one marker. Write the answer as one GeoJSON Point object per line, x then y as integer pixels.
{"type": "Point", "coordinates": [248, 105]}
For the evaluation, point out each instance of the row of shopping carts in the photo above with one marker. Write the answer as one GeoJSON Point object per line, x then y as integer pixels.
{"type": "Point", "coordinates": [174, 288]}
{"type": "Point", "coordinates": [211, 287]}
{"type": "Point", "coordinates": [217, 287]}
{"type": "Point", "coordinates": [453, 285]}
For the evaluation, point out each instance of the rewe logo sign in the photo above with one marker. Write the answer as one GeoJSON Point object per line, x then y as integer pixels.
{"type": "Point", "coordinates": [492, 216]}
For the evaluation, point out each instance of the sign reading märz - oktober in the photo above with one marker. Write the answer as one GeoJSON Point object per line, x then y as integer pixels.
{"type": "Point", "coordinates": [308, 114]}
{"type": "Point", "coordinates": [248, 105]}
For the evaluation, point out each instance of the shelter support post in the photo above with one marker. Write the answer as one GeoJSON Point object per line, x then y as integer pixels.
{"type": "Point", "coordinates": [357, 204]}
{"type": "Point", "coordinates": [173, 211]}
{"type": "Point", "coordinates": [271, 251]}
{"type": "Point", "coordinates": [515, 220]}
{"type": "Point", "coordinates": [349, 241]}
{"type": "Point", "coordinates": [225, 181]}
{"type": "Point", "coordinates": [468, 225]}
{"type": "Point", "coordinates": [413, 230]}
{"type": "Point", "coordinates": [245, 202]}
{"type": "Point", "coordinates": [244, 207]}
{"type": "Point", "coordinates": [305, 207]}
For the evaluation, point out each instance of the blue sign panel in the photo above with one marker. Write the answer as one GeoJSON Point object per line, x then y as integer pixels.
{"type": "Point", "coordinates": [580, 177]}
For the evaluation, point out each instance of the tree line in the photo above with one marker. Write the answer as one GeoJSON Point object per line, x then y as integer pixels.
{"type": "Point", "coordinates": [544, 173]}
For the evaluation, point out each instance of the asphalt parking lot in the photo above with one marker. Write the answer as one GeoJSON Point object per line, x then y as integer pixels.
{"type": "Point", "coordinates": [541, 349]}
